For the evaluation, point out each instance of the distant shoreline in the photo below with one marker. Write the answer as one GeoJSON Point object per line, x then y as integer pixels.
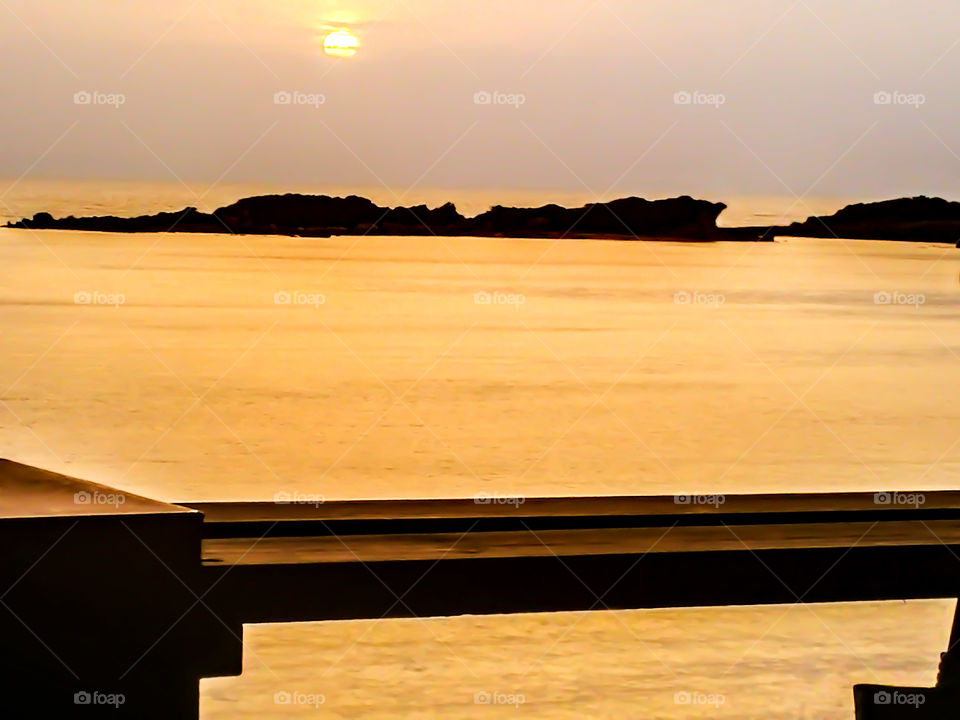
{"type": "Point", "coordinates": [918, 219]}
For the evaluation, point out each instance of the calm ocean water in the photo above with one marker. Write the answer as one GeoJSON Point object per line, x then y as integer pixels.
{"type": "Point", "coordinates": [218, 367]}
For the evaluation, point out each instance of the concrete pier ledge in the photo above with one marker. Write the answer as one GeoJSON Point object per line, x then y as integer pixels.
{"type": "Point", "coordinates": [99, 605]}
{"type": "Point", "coordinates": [116, 605]}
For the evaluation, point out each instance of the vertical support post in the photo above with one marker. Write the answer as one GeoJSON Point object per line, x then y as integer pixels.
{"type": "Point", "coordinates": [101, 610]}
{"type": "Point", "coordinates": [948, 674]}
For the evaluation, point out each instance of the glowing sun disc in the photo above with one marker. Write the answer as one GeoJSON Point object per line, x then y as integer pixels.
{"type": "Point", "coordinates": [340, 43]}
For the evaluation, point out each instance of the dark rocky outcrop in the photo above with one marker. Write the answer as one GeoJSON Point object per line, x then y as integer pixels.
{"type": "Point", "coordinates": [186, 220]}
{"type": "Point", "coordinates": [675, 217]}
{"type": "Point", "coordinates": [320, 215]}
{"type": "Point", "coordinates": [918, 218]}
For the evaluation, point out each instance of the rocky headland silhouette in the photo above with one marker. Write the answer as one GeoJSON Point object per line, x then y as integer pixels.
{"type": "Point", "coordinates": [918, 218]}
{"type": "Point", "coordinates": [322, 216]}
{"type": "Point", "coordinates": [633, 218]}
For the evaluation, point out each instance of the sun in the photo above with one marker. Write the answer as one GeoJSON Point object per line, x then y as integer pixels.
{"type": "Point", "coordinates": [340, 43]}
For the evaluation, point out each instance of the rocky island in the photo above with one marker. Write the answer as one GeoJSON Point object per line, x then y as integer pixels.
{"type": "Point", "coordinates": [918, 218]}
{"type": "Point", "coordinates": [322, 216]}
{"type": "Point", "coordinates": [681, 218]}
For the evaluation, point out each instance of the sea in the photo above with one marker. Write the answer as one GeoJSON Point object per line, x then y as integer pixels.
{"type": "Point", "coordinates": [216, 367]}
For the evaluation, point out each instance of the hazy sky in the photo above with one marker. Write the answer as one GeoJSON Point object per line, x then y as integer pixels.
{"type": "Point", "coordinates": [782, 95]}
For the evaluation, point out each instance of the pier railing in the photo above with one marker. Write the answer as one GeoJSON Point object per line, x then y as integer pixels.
{"type": "Point", "coordinates": [106, 595]}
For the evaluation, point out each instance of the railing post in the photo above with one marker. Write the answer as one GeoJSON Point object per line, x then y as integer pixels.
{"type": "Point", "coordinates": [942, 702]}
{"type": "Point", "coordinates": [99, 609]}
{"type": "Point", "coordinates": [948, 675]}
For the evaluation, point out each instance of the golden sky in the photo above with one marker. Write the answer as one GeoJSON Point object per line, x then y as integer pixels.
{"type": "Point", "coordinates": [654, 97]}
